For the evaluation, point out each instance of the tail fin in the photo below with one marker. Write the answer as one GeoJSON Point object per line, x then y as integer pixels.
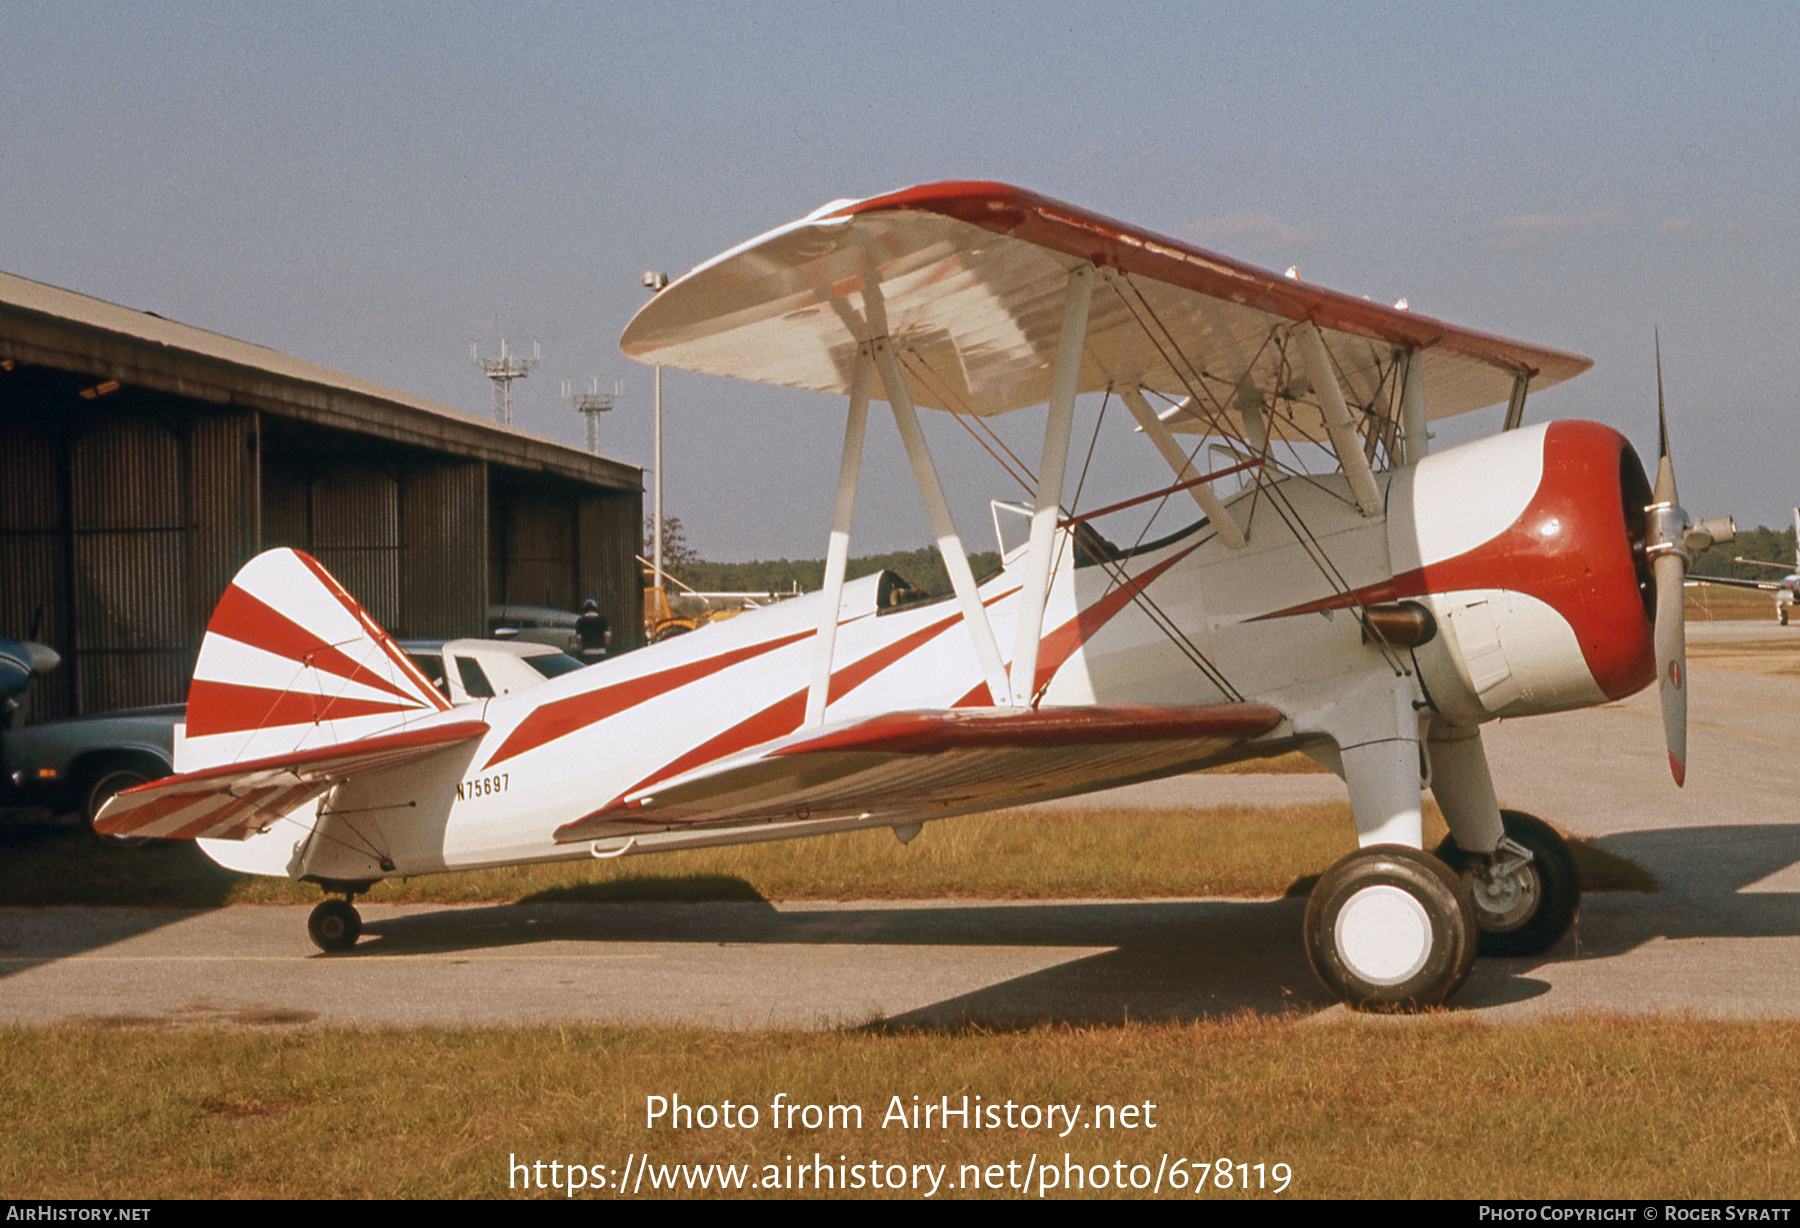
{"type": "Point", "coordinates": [1797, 539]}
{"type": "Point", "coordinates": [291, 662]}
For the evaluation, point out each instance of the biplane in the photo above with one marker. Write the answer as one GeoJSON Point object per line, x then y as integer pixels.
{"type": "Point", "coordinates": [1337, 589]}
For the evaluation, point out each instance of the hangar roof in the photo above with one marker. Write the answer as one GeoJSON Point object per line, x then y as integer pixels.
{"type": "Point", "coordinates": [47, 326]}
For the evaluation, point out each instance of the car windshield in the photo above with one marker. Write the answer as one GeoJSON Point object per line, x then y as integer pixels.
{"type": "Point", "coordinates": [553, 663]}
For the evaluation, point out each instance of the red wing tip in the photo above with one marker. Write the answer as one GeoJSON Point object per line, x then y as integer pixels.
{"type": "Point", "coordinates": [1678, 770]}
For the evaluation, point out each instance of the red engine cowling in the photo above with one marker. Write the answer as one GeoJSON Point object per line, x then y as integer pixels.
{"type": "Point", "coordinates": [1529, 548]}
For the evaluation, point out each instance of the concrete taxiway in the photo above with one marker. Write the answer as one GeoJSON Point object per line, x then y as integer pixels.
{"type": "Point", "coordinates": [1721, 938]}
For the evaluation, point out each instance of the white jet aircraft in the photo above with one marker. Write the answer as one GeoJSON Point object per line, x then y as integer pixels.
{"type": "Point", "coordinates": [1783, 588]}
{"type": "Point", "coordinates": [1373, 613]}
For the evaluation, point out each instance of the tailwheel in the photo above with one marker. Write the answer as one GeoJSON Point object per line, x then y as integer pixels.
{"type": "Point", "coordinates": [1390, 928]}
{"type": "Point", "coordinates": [335, 925]}
{"type": "Point", "coordinates": [1526, 892]}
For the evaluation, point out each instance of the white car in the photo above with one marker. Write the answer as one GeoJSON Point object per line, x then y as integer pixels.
{"type": "Point", "coordinates": [468, 670]}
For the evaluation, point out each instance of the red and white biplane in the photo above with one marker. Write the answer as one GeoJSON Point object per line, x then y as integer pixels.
{"type": "Point", "coordinates": [1373, 610]}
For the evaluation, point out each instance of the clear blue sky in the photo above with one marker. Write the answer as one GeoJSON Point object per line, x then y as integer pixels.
{"type": "Point", "coordinates": [372, 187]}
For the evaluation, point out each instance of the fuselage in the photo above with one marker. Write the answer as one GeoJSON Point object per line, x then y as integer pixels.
{"type": "Point", "coordinates": [1521, 546]}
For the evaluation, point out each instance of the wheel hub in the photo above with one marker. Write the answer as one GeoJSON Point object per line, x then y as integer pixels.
{"type": "Point", "coordinates": [1383, 935]}
{"type": "Point", "coordinates": [1507, 893]}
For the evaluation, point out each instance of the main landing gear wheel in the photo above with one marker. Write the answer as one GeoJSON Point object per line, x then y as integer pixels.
{"type": "Point", "coordinates": [335, 925]}
{"type": "Point", "coordinates": [1390, 928]}
{"type": "Point", "coordinates": [1522, 907]}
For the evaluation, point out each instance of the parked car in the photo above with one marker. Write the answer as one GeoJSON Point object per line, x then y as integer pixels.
{"type": "Point", "coordinates": [77, 764]}
{"type": "Point", "coordinates": [467, 670]}
{"type": "Point", "coordinates": [534, 624]}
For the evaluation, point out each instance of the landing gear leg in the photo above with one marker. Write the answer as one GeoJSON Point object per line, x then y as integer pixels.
{"type": "Point", "coordinates": [1526, 892]}
{"type": "Point", "coordinates": [1390, 928]}
{"type": "Point", "coordinates": [335, 925]}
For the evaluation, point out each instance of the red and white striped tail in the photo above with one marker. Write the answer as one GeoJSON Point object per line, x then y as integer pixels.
{"type": "Point", "coordinates": [291, 662]}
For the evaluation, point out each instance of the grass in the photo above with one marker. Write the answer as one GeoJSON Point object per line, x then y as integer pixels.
{"type": "Point", "coordinates": [1246, 851]}
{"type": "Point", "coordinates": [1438, 1107]}
{"type": "Point", "coordinates": [1294, 763]}
{"type": "Point", "coordinates": [1780, 658]}
{"type": "Point", "coordinates": [1713, 603]}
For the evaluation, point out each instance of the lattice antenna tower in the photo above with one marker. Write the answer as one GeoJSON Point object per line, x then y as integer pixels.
{"type": "Point", "coordinates": [591, 404]}
{"type": "Point", "coordinates": [503, 371]}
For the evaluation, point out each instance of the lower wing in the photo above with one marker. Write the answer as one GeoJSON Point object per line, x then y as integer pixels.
{"type": "Point", "coordinates": [930, 763]}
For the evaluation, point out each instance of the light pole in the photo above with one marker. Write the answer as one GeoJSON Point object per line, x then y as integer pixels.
{"type": "Point", "coordinates": [654, 282]}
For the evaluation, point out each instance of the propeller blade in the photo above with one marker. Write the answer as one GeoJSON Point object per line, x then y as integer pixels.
{"type": "Point", "coordinates": [1671, 659]}
{"type": "Point", "coordinates": [1670, 569]}
{"type": "Point", "coordinates": [1665, 464]}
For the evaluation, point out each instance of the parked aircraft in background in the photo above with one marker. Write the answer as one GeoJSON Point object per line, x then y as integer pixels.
{"type": "Point", "coordinates": [1782, 588]}
{"type": "Point", "coordinates": [21, 661]}
{"type": "Point", "coordinates": [1373, 611]}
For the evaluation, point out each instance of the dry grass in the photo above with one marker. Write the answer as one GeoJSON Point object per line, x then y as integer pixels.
{"type": "Point", "coordinates": [1435, 1107]}
{"type": "Point", "coordinates": [1294, 763]}
{"type": "Point", "coordinates": [1712, 603]}
{"type": "Point", "coordinates": [1780, 658]}
{"type": "Point", "coordinates": [1250, 851]}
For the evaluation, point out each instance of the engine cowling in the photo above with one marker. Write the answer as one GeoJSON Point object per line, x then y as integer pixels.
{"type": "Point", "coordinates": [1528, 547]}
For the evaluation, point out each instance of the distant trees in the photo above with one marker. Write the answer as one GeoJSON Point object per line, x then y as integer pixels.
{"type": "Point", "coordinates": [678, 557]}
{"type": "Point", "coordinates": [924, 567]}
{"type": "Point", "coordinates": [1762, 542]}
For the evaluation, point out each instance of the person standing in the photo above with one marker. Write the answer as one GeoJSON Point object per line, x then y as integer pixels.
{"type": "Point", "coordinates": [594, 632]}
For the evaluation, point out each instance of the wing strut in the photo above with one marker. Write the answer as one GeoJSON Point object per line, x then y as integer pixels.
{"type": "Point", "coordinates": [1515, 408]}
{"type": "Point", "coordinates": [956, 562]}
{"type": "Point", "coordinates": [1230, 532]}
{"type": "Point", "coordinates": [1415, 439]}
{"type": "Point", "coordinates": [1070, 345]}
{"type": "Point", "coordinates": [837, 557]}
{"type": "Point", "coordinates": [1344, 439]}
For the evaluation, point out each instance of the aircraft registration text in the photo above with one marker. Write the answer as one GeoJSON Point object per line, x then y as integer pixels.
{"type": "Point", "coordinates": [481, 786]}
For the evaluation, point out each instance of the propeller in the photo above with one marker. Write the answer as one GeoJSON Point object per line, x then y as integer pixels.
{"type": "Point", "coordinates": [1671, 540]}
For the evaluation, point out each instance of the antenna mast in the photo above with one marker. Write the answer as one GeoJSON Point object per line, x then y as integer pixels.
{"type": "Point", "coordinates": [503, 371]}
{"type": "Point", "coordinates": [591, 404]}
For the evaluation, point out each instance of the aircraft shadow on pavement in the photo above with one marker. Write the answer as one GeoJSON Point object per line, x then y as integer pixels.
{"type": "Point", "coordinates": [108, 892]}
{"type": "Point", "coordinates": [1174, 959]}
{"type": "Point", "coordinates": [1703, 872]}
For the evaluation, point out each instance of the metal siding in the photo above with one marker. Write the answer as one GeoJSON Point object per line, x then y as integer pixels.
{"type": "Point", "coordinates": [443, 577]}
{"type": "Point", "coordinates": [222, 493]}
{"type": "Point", "coordinates": [130, 624]}
{"type": "Point", "coordinates": [285, 496]}
{"type": "Point", "coordinates": [540, 555]}
{"type": "Point", "coordinates": [496, 551]}
{"type": "Point", "coordinates": [34, 553]}
{"type": "Point", "coordinates": [608, 531]}
{"type": "Point", "coordinates": [356, 535]}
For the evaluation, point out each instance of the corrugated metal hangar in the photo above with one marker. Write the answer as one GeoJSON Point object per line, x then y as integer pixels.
{"type": "Point", "coordinates": [143, 461]}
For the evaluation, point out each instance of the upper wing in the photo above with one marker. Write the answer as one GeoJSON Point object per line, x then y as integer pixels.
{"type": "Point", "coordinates": [237, 800]}
{"type": "Point", "coordinates": [969, 279]}
{"type": "Point", "coordinates": [932, 763]}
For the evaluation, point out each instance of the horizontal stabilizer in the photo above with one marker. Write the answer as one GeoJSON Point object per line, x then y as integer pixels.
{"type": "Point", "coordinates": [929, 763]}
{"type": "Point", "coordinates": [235, 801]}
